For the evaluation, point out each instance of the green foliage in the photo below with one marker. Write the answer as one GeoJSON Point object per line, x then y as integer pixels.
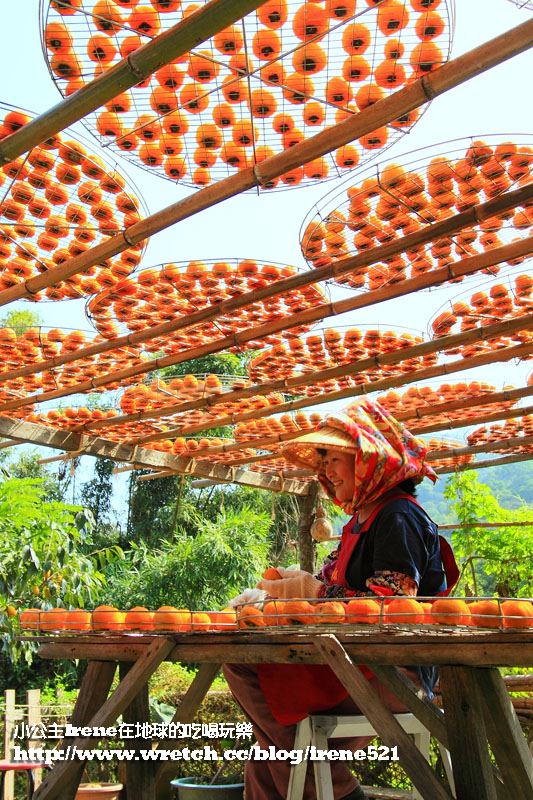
{"type": "Point", "coordinates": [96, 496]}
{"type": "Point", "coordinates": [493, 559]}
{"type": "Point", "coordinates": [217, 364]}
{"type": "Point", "coordinates": [20, 321]}
{"type": "Point", "coordinates": [41, 560]}
{"type": "Point", "coordinates": [200, 571]}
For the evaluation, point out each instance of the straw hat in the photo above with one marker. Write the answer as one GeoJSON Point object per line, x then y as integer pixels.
{"type": "Point", "coordinates": [304, 450]}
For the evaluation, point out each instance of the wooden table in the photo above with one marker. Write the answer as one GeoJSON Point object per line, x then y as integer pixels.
{"type": "Point", "coordinates": [477, 707]}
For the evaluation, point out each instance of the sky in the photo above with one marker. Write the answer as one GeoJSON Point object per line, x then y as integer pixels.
{"type": "Point", "coordinates": [266, 227]}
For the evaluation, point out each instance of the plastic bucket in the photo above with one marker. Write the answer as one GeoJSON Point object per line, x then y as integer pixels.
{"type": "Point", "coordinates": [193, 789]}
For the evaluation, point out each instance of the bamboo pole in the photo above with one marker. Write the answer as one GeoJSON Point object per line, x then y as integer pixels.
{"type": "Point", "coordinates": [182, 37]}
{"type": "Point", "coordinates": [458, 405]}
{"type": "Point", "coordinates": [486, 447]}
{"type": "Point", "coordinates": [467, 266]}
{"type": "Point", "coordinates": [493, 462]}
{"type": "Point", "coordinates": [485, 525]}
{"type": "Point", "coordinates": [441, 80]}
{"type": "Point", "coordinates": [235, 339]}
{"type": "Point", "coordinates": [467, 421]}
{"type": "Point", "coordinates": [354, 391]}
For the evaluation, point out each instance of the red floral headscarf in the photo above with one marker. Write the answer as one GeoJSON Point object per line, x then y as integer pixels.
{"type": "Point", "coordinates": [386, 453]}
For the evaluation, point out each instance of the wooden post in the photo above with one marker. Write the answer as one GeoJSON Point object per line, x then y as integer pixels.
{"type": "Point", "coordinates": [466, 734]}
{"type": "Point", "coordinates": [306, 506]}
{"type": "Point", "coordinates": [9, 730]}
{"type": "Point", "coordinates": [140, 775]}
{"type": "Point", "coordinates": [382, 719]}
{"type": "Point", "coordinates": [33, 700]}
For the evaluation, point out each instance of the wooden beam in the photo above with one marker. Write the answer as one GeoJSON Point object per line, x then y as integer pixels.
{"type": "Point", "coordinates": [145, 459]}
{"type": "Point", "coordinates": [416, 94]}
{"type": "Point", "coordinates": [140, 774]}
{"type": "Point", "coordinates": [403, 379]}
{"type": "Point", "coordinates": [480, 419]}
{"type": "Point", "coordinates": [487, 447]}
{"type": "Point", "coordinates": [487, 398]}
{"type": "Point", "coordinates": [93, 693]}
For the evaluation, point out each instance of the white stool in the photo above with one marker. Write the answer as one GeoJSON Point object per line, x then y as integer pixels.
{"type": "Point", "coordinates": [317, 729]}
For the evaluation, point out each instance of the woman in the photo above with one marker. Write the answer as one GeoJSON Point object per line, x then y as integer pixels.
{"type": "Point", "coordinates": [368, 464]}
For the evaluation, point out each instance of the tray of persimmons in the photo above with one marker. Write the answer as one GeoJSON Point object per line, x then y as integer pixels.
{"type": "Point", "coordinates": [388, 612]}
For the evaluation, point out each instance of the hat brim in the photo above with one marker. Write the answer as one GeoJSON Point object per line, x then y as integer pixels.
{"type": "Point", "coordinates": [304, 451]}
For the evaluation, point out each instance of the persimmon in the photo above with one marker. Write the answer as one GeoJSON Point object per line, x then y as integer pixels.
{"type": "Point", "coordinates": [517, 614]}
{"type": "Point", "coordinates": [296, 612]}
{"type": "Point", "coordinates": [404, 610]}
{"type": "Point", "coordinates": [53, 620]}
{"type": "Point", "coordinates": [272, 612]}
{"type": "Point", "coordinates": [29, 618]}
{"type": "Point", "coordinates": [200, 621]}
{"type": "Point", "coordinates": [361, 609]}
{"type": "Point", "coordinates": [107, 618]}
{"type": "Point", "coordinates": [138, 618]}
{"type": "Point", "coordinates": [250, 617]}
{"type": "Point", "coordinates": [226, 620]}
{"type": "Point", "coordinates": [329, 612]}
{"type": "Point", "coordinates": [485, 614]}
{"type": "Point", "coordinates": [310, 22]}
{"type": "Point", "coordinates": [78, 620]}
{"type": "Point", "coordinates": [450, 611]}
{"type": "Point", "coordinates": [428, 619]}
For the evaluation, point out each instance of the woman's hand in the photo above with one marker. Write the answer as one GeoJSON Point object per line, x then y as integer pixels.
{"type": "Point", "coordinates": [297, 584]}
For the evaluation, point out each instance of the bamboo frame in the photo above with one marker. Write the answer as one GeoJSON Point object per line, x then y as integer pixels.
{"type": "Point", "coordinates": [459, 365]}
{"type": "Point", "coordinates": [493, 462]}
{"type": "Point", "coordinates": [146, 459]}
{"type": "Point", "coordinates": [468, 421]}
{"type": "Point", "coordinates": [434, 278]}
{"type": "Point", "coordinates": [487, 447]}
{"type": "Point", "coordinates": [236, 339]}
{"type": "Point", "coordinates": [486, 525]}
{"type": "Point", "coordinates": [182, 37]}
{"type": "Point", "coordinates": [471, 402]}
{"type": "Point", "coordinates": [446, 77]}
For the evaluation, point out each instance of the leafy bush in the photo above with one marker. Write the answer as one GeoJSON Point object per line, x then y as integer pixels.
{"type": "Point", "coordinates": [201, 571]}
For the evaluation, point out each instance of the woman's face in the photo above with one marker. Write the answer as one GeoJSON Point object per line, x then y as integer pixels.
{"type": "Point", "coordinates": [339, 467]}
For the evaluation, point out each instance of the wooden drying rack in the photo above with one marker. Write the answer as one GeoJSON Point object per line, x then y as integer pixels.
{"type": "Point", "coordinates": [477, 708]}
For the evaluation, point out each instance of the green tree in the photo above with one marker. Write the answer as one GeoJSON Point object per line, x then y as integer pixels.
{"type": "Point", "coordinates": [492, 559]}
{"type": "Point", "coordinates": [96, 495]}
{"type": "Point", "coordinates": [21, 321]}
{"type": "Point", "coordinates": [202, 571]}
{"type": "Point", "coordinates": [41, 560]}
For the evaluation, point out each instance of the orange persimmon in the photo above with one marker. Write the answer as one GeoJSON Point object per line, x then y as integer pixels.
{"type": "Point", "coordinates": [485, 614]}
{"type": "Point", "coordinates": [361, 609]}
{"type": "Point", "coordinates": [200, 621]}
{"type": "Point", "coordinates": [450, 611]}
{"type": "Point", "coordinates": [107, 618]}
{"type": "Point", "coordinates": [250, 617]}
{"type": "Point", "coordinates": [139, 618]}
{"type": "Point", "coordinates": [298, 612]}
{"type": "Point", "coordinates": [78, 620]}
{"type": "Point", "coordinates": [329, 612]}
{"type": "Point", "coordinates": [517, 614]}
{"type": "Point", "coordinates": [404, 610]}
{"type": "Point", "coordinates": [225, 620]}
{"type": "Point", "coordinates": [29, 618]}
